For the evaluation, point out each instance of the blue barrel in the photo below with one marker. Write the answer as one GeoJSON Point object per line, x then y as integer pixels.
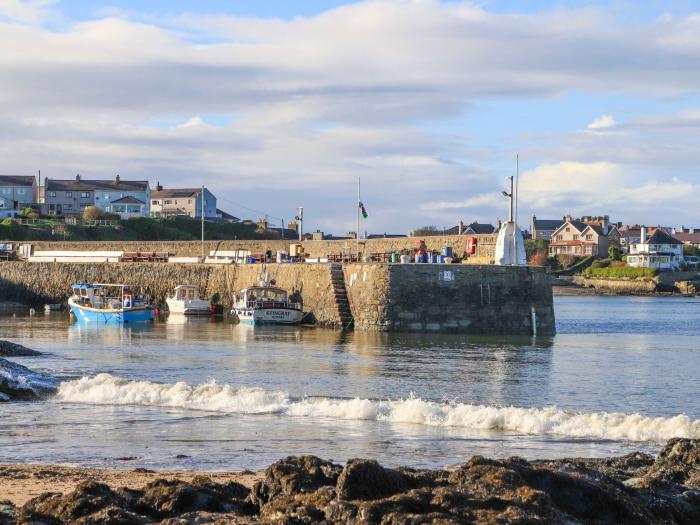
{"type": "Point", "coordinates": [447, 251]}
{"type": "Point", "coordinates": [435, 258]}
{"type": "Point", "coordinates": [442, 259]}
{"type": "Point", "coordinates": [252, 260]}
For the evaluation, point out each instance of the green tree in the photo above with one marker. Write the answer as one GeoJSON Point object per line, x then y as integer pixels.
{"type": "Point", "coordinates": [689, 249]}
{"type": "Point", "coordinates": [614, 253]}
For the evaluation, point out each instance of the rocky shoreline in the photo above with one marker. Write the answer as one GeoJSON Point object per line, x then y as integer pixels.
{"type": "Point", "coordinates": [636, 488]}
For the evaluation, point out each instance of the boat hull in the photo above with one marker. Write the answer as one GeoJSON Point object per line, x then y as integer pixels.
{"type": "Point", "coordinates": [269, 316]}
{"type": "Point", "coordinates": [87, 315]}
{"type": "Point", "coordinates": [188, 307]}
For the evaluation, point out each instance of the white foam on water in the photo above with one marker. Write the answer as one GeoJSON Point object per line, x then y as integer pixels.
{"type": "Point", "coordinates": [109, 389]}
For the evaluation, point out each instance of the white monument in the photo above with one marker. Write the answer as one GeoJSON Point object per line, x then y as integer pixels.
{"type": "Point", "coordinates": [510, 246]}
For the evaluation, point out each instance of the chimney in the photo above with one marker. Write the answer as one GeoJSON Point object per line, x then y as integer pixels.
{"type": "Point", "coordinates": [77, 178]}
{"type": "Point", "coordinates": [117, 178]}
{"type": "Point", "coordinates": [643, 235]}
{"type": "Point", "coordinates": [158, 186]}
{"type": "Point", "coordinates": [460, 229]}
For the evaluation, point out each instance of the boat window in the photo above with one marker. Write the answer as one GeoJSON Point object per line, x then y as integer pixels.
{"type": "Point", "coordinates": [83, 292]}
{"type": "Point", "coordinates": [190, 294]}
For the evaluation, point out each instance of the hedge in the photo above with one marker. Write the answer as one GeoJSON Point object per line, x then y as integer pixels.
{"type": "Point", "coordinates": [624, 272]}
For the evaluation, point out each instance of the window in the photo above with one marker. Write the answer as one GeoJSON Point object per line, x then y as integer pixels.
{"type": "Point", "coordinates": [119, 208]}
{"type": "Point", "coordinates": [67, 206]}
{"type": "Point", "coordinates": [560, 237]}
{"type": "Point", "coordinates": [2, 203]}
{"type": "Point", "coordinates": [69, 194]}
{"type": "Point", "coordinates": [576, 237]}
{"type": "Point", "coordinates": [133, 208]}
{"type": "Point", "coordinates": [85, 195]}
{"type": "Point", "coordinates": [52, 194]}
{"type": "Point", "coordinates": [167, 202]}
{"type": "Point", "coordinates": [568, 229]}
{"type": "Point", "coordinates": [106, 196]}
{"type": "Point", "coordinates": [7, 191]}
{"type": "Point", "coordinates": [589, 237]}
{"type": "Point", "coordinates": [154, 203]}
{"type": "Point", "coordinates": [21, 191]}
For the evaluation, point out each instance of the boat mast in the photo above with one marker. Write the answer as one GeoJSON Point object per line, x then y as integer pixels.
{"type": "Point", "coordinates": [202, 223]}
{"type": "Point", "coordinates": [357, 234]}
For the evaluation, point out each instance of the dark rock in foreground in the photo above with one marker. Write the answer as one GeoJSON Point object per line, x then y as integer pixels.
{"type": "Point", "coordinates": [8, 349]}
{"type": "Point", "coordinates": [303, 490]}
{"type": "Point", "coordinates": [18, 382]}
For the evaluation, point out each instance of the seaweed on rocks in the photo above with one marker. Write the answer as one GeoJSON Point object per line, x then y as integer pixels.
{"type": "Point", "coordinates": [18, 382]}
{"type": "Point", "coordinates": [635, 488]}
{"type": "Point", "coordinates": [9, 349]}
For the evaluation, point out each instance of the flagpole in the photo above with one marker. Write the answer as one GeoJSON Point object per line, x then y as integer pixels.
{"type": "Point", "coordinates": [357, 234]}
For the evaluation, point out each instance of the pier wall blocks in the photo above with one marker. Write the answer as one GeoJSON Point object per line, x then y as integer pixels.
{"type": "Point", "coordinates": [482, 299]}
{"type": "Point", "coordinates": [485, 247]}
{"type": "Point", "coordinates": [404, 298]}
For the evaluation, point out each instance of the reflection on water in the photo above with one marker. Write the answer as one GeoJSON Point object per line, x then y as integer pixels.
{"type": "Point", "coordinates": [609, 356]}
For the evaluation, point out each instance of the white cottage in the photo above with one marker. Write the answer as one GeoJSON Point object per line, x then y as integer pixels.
{"type": "Point", "coordinates": [661, 251]}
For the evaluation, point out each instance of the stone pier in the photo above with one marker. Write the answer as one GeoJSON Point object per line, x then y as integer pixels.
{"type": "Point", "coordinates": [458, 298]}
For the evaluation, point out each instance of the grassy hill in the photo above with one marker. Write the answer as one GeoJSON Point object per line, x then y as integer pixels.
{"type": "Point", "coordinates": [135, 229]}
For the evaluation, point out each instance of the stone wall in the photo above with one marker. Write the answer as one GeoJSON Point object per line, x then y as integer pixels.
{"type": "Point", "coordinates": [619, 286]}
{"type": "Point", "coordinates": [484, 251]}
{"type": "Point", "coordinates": [410, 298]}
{"type": "Point", "coordinates": [38, 283]}
{"type": "Point", "coordinates": [469, 299]}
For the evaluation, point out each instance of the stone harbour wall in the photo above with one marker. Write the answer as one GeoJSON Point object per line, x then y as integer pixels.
{"type": "Point", "coordinates": [469, 299]}
{"type": "Point", "coordinates": [480, 299]}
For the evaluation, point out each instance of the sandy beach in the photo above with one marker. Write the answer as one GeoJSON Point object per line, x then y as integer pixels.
{"type": "Point", "coordinates": [20, 483]}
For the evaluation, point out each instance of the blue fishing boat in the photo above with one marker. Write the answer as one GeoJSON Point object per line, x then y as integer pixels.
{"type": "Point", "coordinates": [112, 304]}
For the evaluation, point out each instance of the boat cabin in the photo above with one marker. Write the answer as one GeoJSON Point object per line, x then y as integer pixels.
{"type": "Point", "coordinates": [266, 296]}
{"type": "Point", "coordinates": [186, 292]}
{"type": "Point", "coordinates": [108, 296]}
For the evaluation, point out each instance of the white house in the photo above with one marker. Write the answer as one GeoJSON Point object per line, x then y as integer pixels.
{"type": "Point", "coordinates": [661, 251]}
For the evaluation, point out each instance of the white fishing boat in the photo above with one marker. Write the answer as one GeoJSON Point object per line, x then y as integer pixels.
{"type": "Point", "coordinates": [186, 301]}
{"type": "Point", "coordinates": [265, 304]}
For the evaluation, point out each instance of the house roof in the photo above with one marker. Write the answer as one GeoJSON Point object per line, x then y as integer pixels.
{"type": "Point", "coordinates": [17, 180]}
{"type": "Point", "coordinates": [596, 228]}
{"type": "Point", "coordinates": [547, 224]}
{"type": "Point", "coordinates": [95, 185]}
{"type": "Point", "coordinates": [688, 237]}
{"type": "Point", "coordinates": [385, 236]}
{"type": "Point", "coordinates": [128, 200]}
{"type": "Point", "coordinates": [479, 228]}
{"type": "Point", "coordinates": [578, 225]}
{"type": "Point", "coordinates": [174, 193]}
{"type": "Point", "coordinates": [227, 216]}
{"type": "Point", "coordinates": [661, 236]}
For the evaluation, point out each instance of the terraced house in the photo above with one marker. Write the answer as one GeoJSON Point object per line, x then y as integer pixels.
{"type": "Point", "coordinates": [577, 238]}
{"type": "Point", "coordinates": [123, 197]}
{"type": "Point", "coordinates": [16, 192]}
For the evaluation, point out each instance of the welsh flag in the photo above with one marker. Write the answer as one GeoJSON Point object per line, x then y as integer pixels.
{"type": "Point", "coordinates": [363, 211]}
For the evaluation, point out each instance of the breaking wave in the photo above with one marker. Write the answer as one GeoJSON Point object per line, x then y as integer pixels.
{"type": "Point", "coordinates": [111, 390]}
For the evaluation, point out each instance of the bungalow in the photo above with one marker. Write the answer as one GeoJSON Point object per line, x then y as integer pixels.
{"type": "Point", "coordinates": [660, 250]}
{"type": "Point", "coordinates": [577, 238]}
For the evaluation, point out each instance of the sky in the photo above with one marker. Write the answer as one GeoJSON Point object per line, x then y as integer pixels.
{"type": "Point", "coordinates": [276, 104]}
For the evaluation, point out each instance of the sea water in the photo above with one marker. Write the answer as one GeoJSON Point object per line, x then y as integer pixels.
{"type": "Point", "coordinates": [620, 375]}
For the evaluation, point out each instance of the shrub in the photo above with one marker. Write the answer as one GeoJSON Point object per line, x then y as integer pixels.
{"type": "Point", "coordinates": [91, 213]}
{"type": "Point", "coordinates": [538, 258]}
{"type": "Point", "coordinates": [621, 272]}
{"type": "Point", "coordinates": [567, 261]}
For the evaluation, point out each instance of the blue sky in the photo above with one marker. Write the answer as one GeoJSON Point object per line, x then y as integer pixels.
{"type": "Point", "coordinates": [278, 104]}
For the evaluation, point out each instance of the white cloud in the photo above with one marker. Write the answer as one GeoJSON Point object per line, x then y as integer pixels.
{"type": "Point", "coordinates": [602, 122]}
